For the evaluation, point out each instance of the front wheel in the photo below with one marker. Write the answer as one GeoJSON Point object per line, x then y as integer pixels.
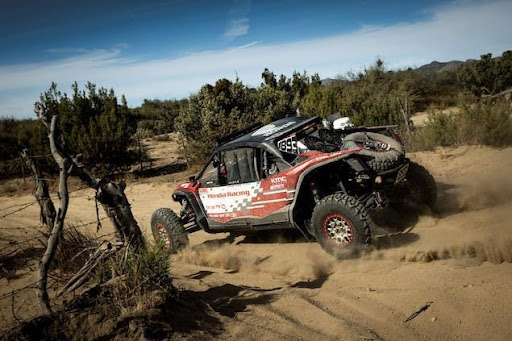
{"type": "Point", "coordinates": [167, 228]}
{"type": "Point", "coordinates": [340, 224]}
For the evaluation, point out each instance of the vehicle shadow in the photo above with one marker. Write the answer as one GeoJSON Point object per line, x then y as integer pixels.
{"type": "Point", "coordinates": [390, 241]}
{"type": "Point", "coordinates": [273, 236]}
{"type": "Point", "coordinates": [229, 299]}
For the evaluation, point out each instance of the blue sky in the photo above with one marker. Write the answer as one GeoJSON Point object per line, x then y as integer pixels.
{"type": "Point", "coordinates": [168, 49]}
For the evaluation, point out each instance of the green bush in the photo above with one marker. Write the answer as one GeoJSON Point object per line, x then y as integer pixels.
{"type": "Point", "coordinates": [440, 130]}
{"type": "Point", "coordinates": [15, 135]}
{"type": "Point", "coordinates": [485, 123]}
{"type": "Point", "coordinates": [93, 123]}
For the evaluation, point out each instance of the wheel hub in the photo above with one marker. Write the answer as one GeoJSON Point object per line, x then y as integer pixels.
{"type": "Point", "coordinates": [338, 230]}
{"type": "Point", "coordinates": [164, 235]}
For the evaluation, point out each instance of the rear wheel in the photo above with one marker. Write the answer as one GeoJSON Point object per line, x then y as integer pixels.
{"type": "Point", "coordinates": [418, 189]}
{"type": "Point", "coordinates": [340, 224]}
{"type": "Point", "coordinates": [167, 228]}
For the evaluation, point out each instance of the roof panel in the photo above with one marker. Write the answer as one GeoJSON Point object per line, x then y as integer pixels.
{"type": "Point", "coordinates": [271, 131]}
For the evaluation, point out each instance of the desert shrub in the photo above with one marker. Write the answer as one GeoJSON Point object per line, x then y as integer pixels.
{"type": "Point", "coordinates": [486, 123]}
{"type": "Point", "coordinates": [159, 115]}
{"type": "Point", "coordinates": [16, 135]}
{"type": "Point", "coordinates": [212, 113]}
{"type": "Point", "coordinates": [93, 123]}
{"type": "Point", "coordinates": [142, 133]}
{"type": "Point", "coordinates": [155, 127]}
{"type": "Point", "coordinates": [137, 279]}
{"type": "Point", "coordinates": [440, 130]}
{"type": "Point", "coordinates": [488, 75]}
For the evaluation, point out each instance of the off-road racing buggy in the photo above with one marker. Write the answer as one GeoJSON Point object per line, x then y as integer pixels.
{"type": "Point", "coordinates": [297, 173]}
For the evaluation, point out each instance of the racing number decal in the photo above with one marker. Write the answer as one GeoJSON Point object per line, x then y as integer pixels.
{"type": "Point", "coordinates": [288, 145]}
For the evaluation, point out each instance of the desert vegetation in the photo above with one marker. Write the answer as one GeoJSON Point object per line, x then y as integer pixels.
{"type": "Point", "coordinates": [101, 127]}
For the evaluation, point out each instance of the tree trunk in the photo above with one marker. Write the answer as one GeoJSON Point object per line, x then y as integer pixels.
{"type": "Point", "coordinates": [116, 205]}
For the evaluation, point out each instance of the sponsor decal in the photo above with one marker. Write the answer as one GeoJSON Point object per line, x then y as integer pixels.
{"type": "Point", "coordinates": [213, 207]}
{"type": "Point", "coordinates": [271, 129]}
{"type": "Point", "coordinates": [228, 199]}
{"type": "Point", "coordinates": [223, 215]}
{"type": "Point", "coordinates": [278, 186]}
{"type": "Point", "coordinates": [278, 180]}
{"type": "Point", "coordinates": [228, 194]}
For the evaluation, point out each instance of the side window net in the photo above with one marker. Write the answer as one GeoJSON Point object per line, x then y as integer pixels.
{"type": "Point", "coordinates": [239, 166]}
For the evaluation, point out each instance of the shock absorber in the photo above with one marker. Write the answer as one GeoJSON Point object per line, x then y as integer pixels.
{"type": "Point", "coordinates": [314, 191]}
{"type": "Point", "coordinates": [188, 217]}
{"type": "Point", "coordinates": [184, 208]}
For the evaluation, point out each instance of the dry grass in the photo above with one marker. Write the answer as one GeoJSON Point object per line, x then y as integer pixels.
{"type": "Point", "coordinates": [137, 281]}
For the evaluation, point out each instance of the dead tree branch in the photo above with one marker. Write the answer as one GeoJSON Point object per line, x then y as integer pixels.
{"type": "Point", "coordinates": [109, 194]}
{"type": "Point", "coordinates": [79, 278]}
{"type": "Point", "coordinates": [419, 311]}
{"type": "Point", "coordinates": [65, 167]}
{"type": "Point", "coordinates": [41, 192]}
{"type": "Point", "coordinates": [116, 205]}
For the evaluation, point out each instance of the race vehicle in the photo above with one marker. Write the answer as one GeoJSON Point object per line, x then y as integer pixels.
{"type": "Point", "coordinates": [322, 178]}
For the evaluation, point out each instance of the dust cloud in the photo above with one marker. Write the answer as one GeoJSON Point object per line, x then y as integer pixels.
{"type": "Point", "coordinates": [307, 265]}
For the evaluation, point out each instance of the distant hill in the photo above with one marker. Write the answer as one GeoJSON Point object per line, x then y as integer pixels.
{"type": "Point", "coordinates": [436, 66]}
{"type": "Point", "coordinates": [329, 81]}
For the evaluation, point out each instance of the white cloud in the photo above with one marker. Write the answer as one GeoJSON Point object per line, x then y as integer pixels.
{"type": "Point", "coordinates": [460, 31]}
{"type": "Point", "coordinates": [237, 28]}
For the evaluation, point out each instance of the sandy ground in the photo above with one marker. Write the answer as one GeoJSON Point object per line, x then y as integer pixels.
{"type": "Point", "coordinates": [459, 258]}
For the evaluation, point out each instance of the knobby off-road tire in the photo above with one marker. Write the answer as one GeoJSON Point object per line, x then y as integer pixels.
{"type": "Point", "coordinates": [340, 224]}
{"type": "Point", "coordinates": [382, 160]}
{"type": "Point", "coordinates": [167, 228]}
{"type": "Point", "coordinates": [418, 189]}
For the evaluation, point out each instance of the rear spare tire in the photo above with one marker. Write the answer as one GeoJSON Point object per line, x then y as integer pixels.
{"type": "Point", "coordinates": [386, 152]}
{"type": "Point", "coordinates": [340, 224]}
{"type": "Point", "coordinates": [167, 228]}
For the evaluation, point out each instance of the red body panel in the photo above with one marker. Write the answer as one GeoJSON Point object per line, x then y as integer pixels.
{"type": "Point", "coordinates": [260, 198]}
